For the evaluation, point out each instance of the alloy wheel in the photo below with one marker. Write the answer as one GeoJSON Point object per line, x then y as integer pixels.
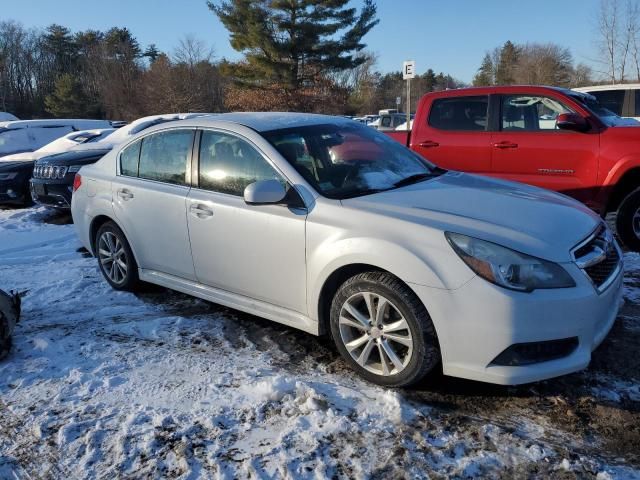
{"type": "Point", "coordinates": [112, 257]}
{"type": "Point", "coordinates": [375, 333]}
{"type": "Point", "coordinates": [636, 223]}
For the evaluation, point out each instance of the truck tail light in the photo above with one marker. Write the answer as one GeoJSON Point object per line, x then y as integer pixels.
{"type": "Point", "coordinates": [77, 182]}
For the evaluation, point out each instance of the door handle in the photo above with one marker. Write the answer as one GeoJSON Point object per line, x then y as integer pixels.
{"type": "Point", "coordinates": [200, 211]}
{"type": "Point", "coordinates": [125, 194]}
{"type": "Point", "coordinates": [505, 144]}
{"type": "Point", "coordinates": [428, 144]}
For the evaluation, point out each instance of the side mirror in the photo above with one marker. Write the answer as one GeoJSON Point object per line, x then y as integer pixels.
{"type": "Point", "coordinates": [572, 122]}
{"type": "Point", "coordinates": [264, 192]}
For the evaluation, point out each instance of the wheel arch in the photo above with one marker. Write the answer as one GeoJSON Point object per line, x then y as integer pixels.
{"type": "Point", "coordinates": [336, 278]}
{"type": "Point", "coordinates": [100, 220]}
{"type": "Point", "coordinates": [627, 183]}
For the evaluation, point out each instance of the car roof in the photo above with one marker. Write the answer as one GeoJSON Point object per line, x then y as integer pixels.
{"type": "Point", "coordinates": [620, 86]}
{"type": "Point", "coordinates": [264, 121]}
{"type": "Point", "coordinates": [498, 89]}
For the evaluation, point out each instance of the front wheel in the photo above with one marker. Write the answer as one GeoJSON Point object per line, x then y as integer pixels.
{"type": "Point", "coordinates": [383, 331]}
{"type": "Point", "coordinates": [115, 258]}
{"type": "Point", "coordinates": [628, 221]}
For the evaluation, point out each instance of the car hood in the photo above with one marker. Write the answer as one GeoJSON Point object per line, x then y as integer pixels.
{"type": "Point", "coordinates": [15, 166]}
{"type": "Point", "coordinates": [528, 219]}
{"type": "Point", "coordinates": [73, 157]}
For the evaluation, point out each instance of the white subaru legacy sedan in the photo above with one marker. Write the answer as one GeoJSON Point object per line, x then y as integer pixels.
{"type": "Point", "coordinates": [326, 225]}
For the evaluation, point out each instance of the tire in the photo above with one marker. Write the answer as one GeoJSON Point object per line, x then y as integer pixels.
{"type": "Point", "coordinates": [628, 221]}
{"type": "Point", "coordinates": [122, 274]}
{"type": "Point", "coordinates": [415, 347]}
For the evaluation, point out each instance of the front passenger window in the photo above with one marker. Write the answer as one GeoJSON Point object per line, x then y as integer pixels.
{"type": "Point", "coordinates": [228, 164]}
{"type": "Point", "coordinates": [164, 156]}
{"type": "Point", "coordinates": [531, 113]}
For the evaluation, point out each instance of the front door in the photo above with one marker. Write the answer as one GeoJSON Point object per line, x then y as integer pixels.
{"type": "Point", "coordinates": [149, 199]}
{"type": "Point", "coordinates": [529, 148]}
{"type": "Point", "coordinates": [253, 250]}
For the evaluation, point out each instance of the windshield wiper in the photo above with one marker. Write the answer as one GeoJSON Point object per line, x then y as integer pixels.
{"type": "Point", "coordinates": [360, 192]}
{"type": "Point", "coordinates": [415, 178]}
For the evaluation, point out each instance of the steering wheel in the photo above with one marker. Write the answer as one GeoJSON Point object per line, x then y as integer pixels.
{"type": "Point", "coordinates": [353, 172]}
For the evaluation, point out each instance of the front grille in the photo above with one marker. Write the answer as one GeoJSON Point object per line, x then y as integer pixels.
{"type": "Point", "coordinates": [49, 172]}
{"type": "Point", "coordinates": [599, 257]}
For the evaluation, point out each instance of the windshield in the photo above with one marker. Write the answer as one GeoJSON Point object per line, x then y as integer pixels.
{"type": "Point", "coordinates": [607, 116]}
{"type": "Point", "coordinates": [344, 161]}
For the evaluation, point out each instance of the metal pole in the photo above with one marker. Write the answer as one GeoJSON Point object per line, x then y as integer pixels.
{"type": "Point", "coordinates": [408, 104]}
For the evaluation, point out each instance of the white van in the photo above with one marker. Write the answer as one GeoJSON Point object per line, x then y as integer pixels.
{"type": "Point", "coordinates": [623, 99]}
{"type": "Point", "coordinates": [29, 135]}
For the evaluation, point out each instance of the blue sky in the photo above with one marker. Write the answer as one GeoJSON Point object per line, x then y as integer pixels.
{"type": "Point", "coordinates": [450, 36]}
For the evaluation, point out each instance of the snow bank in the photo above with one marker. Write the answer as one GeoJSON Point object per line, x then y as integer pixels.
{"type": "Point", "coordinates": [106, 384]}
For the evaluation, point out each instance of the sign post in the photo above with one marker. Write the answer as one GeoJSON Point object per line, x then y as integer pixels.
{"type": "Point", "coordinates": [409, 72]}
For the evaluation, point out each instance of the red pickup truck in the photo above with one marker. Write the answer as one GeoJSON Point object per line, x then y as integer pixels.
{"type": "Point", "coordinates": [553, 138]}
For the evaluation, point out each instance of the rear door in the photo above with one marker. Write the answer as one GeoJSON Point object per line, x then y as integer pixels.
{"type": "Point", "coordinates": [456, 134]}
{"type": "Point", "coordinates": [529, 148]}
{"type": "Point", "coordinates": [149, 200]}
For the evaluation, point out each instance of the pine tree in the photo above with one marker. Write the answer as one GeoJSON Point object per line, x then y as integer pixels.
{"type": "Point", "coordinates": [507, 64]}
{"type": "Point", "coordinates": [68, 100]}
{"type": "Point", "coordinates": [152, 53]}
{"type": "Point", "coordinates": [484, 77]}
{"type": "Point", "coordinates": [293, 42]}
{"type": "Point", "coordinates": [429, 80]}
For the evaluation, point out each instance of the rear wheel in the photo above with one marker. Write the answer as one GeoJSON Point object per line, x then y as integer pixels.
{"type": "Point", "coordinates": [383, 331]}
{"type": "Point", "coordinates": [628, 221]}
{"type": "Point", "coordinates": [115, 258]}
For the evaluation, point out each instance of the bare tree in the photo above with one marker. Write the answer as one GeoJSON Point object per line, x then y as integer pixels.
{"type": "Point", "coordinates": [609, 34]}
{"type": "Point", "coordinates": [618, 27]}
{"type": "Point", "coordinates": [191, 51]}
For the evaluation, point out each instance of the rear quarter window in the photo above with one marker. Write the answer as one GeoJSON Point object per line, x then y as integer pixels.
{"type": "Point", "coordinates": [129, 158]}
{"type": "Point", "coordinates": [466, 114]}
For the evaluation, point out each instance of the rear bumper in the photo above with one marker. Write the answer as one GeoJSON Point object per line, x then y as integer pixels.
{"type": "Point", "coordinates": [57, 195]}
{"type": "Point", "coordinates": [479, 321]}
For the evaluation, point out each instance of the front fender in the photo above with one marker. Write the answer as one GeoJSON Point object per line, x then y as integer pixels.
{"type": "Point", "coordinates": [436, 267]}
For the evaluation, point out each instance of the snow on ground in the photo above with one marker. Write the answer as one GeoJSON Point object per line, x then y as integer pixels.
{"type": "Point", "coordinates": [103, 384]}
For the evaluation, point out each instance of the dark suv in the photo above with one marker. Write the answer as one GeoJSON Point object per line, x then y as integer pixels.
{"type": "Point", "coordinates": [52, 182]}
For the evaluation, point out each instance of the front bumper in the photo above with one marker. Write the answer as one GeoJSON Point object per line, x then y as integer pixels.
{"type": "Point", "coordinates": [14, 192]}
{"type": "Point", "coordinates": [51, 194]}
{"type": "Point", "coordinates": [479, 321]}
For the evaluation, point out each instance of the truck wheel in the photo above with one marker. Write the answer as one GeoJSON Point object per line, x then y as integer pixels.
{"type": "Point", "coordinates": [115, 258]}
{"type": "Point", "coordinates": [383, 331]}
{"type": "Point", "coordinates": [628, 221]}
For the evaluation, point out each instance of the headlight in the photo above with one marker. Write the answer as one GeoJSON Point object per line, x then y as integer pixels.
{"type": "Point", "coordinates": [8, 176]}
{"type": "Point", "coordinates": [508, 268]}
{"type": "Point", "coordinates": [74, 168]}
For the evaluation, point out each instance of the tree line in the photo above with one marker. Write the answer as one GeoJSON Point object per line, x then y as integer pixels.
{"type": "Point", "coordinates": [302, 55]}
{"type": "Point", "coordinates": [532, 64]}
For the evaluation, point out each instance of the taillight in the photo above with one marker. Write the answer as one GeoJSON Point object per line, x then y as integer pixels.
{"type": "Point", "coordinates": [77, 182]}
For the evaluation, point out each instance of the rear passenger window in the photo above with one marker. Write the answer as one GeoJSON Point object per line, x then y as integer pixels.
{"type": "Point", "coordinates": [460, 113]}
{"type": "Point", "coordinates": [228, 164]}
{"type": "Point", "coordinates": [637, 108]}
{"type": "Point", "coordinates": [164, 156]}
{"type": "Point", "coordinates": [611, 99]}
{"type": "Point", "coordinates": [129, 159]}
